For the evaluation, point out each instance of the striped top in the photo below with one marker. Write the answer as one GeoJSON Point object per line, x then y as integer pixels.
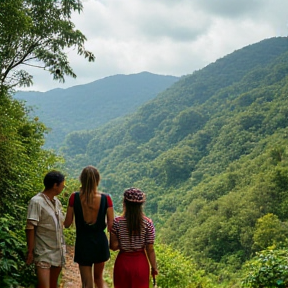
{"type": "Point", "coordinates": [137, 242]}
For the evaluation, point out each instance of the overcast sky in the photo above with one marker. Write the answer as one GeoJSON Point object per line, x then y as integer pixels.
{"type": "Point", "coordinates": [167, 37]}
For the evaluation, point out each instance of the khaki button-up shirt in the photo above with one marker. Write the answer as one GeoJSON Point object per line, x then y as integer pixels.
{"type": "Point", "coordinates": [47, 217]}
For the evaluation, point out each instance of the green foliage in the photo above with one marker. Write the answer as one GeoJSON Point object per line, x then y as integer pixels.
{"type": "Point", "coordinates": [23, 166]}
{"type": "Point", "coordinates": [269, 230]}
{"type": "Point", "coordinates": [77, 143]}
{"type": "Point", "coordinates": [108, 271]}
{"type": "Point", "coordinates": [41, 31]}
{"type": "Point", "coordinates": [70, 236]}
{"type": "Point", "coordinates": [267, 269]}
{"type": "Point", "coordinates": [177, 271]}
{"type": "Point", "coordinates": [185, 123]}
{"type": "Point", "coordinates": [23, 162]}
{"type": "Point", "coordinates": [176, 164]}
{"type": "Point", "coordinates": [13, 269]}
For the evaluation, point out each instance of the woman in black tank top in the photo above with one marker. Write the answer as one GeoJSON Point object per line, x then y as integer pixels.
{"type": "Point", "coordinates": [90, 208]}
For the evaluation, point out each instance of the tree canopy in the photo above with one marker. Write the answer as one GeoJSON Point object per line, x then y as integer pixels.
{"type": "Point", "coordinates": [37, 33]}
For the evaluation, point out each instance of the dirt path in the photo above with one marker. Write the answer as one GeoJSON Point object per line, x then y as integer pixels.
{"type": "Point", "coordinates": [70, 274]}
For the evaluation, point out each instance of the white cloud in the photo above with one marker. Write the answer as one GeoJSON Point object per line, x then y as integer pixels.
{"type": "Point", "coordinates": [166, 37]}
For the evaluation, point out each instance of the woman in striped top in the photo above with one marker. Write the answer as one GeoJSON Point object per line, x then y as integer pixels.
{"type": "Point", "coordinates": [133, 234]}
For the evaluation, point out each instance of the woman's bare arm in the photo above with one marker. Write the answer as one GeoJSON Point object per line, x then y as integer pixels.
{"type": "Point", "coordinates": [69, 217]}
{"type": "Point", "coordinates": [114, 244]}
{"type": "Point", "coordinates": [152, 258]}
{"type": "Point", "coordinates": [110, 218]}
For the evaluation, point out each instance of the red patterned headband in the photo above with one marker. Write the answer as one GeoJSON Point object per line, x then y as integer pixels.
{"type": "Point", "coordinates": [134, 195]}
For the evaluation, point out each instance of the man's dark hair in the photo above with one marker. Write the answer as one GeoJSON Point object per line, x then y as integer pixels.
{"type": "Point", "coordinates": [53, 177]}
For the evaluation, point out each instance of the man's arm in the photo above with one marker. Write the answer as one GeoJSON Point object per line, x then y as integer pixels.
{"type": "Point", "coordinates": [30, 239]}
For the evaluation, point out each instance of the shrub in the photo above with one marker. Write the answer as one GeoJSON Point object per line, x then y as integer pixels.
{"type": "Point", "coordinates": [13, 269]}
{"type": "Point", "coordinates": [269, 268]}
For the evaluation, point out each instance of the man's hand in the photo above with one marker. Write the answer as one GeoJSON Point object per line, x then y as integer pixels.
{"type": "Point", "coordinates": [29, 258]}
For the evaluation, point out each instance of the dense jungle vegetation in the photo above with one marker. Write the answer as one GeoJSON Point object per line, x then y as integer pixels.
{"type": "Point", "coordinates": [210, 152]}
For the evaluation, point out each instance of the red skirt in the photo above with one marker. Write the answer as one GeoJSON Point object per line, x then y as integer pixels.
{"type": "Point", "coordinates": [131, 270]}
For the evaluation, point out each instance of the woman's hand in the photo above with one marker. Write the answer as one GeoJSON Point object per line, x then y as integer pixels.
{"type": "Point", "coordinates": [154, 272]}
{"type": "Point", "coordinates": [114, 244]}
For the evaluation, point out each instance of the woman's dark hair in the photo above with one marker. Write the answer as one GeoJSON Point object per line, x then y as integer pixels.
{"type": "Point", "coordinates": [133, 213]}
{"type": "Point", "coordinates": [53, 177]}
{"type": "Point", "coordinates": [89, 179]}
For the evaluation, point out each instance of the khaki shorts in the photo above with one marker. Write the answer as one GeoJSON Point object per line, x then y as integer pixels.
{"type": "Point", "coordinates": [43, 265]}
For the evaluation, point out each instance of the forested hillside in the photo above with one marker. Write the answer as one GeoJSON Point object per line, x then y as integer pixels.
{"type": "Point", "coordinates": [41, 32]}
{"type": "Point", "coordinates": [88, 106]}
{"type": "Point", "coordinates": [211, 154]}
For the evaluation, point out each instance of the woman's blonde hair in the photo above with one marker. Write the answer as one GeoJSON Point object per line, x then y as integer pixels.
{"type": "Point", "coordinates": [89, 179]}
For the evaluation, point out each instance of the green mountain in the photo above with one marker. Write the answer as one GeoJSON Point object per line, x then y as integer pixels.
{"type": "Point", "coordinates": [211, 154]}
{"type": "Point", "coordinates": [91, 105]}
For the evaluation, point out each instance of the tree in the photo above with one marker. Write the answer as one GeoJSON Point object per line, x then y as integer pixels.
{"type": "Point", "coordinates": [36, 33]}
{"type": "Point", "coordinates": [269, 230]}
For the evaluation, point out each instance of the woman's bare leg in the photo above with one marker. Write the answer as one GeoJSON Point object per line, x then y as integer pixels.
{"type": "Point", "coordinates": [98, 274]}
{"type": "Point", "coordinates": [86, 276]}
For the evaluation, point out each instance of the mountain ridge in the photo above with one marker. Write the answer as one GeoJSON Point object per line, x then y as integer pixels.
{"type": "Point", "coordinates": [87, 106]}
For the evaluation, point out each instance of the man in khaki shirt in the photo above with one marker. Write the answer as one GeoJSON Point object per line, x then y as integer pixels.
{"type": "Point", "coordinates": [44, 231]}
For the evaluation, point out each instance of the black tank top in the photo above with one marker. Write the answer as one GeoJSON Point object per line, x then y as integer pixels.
{"type": "Point", "coordinates": [91, 242]}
